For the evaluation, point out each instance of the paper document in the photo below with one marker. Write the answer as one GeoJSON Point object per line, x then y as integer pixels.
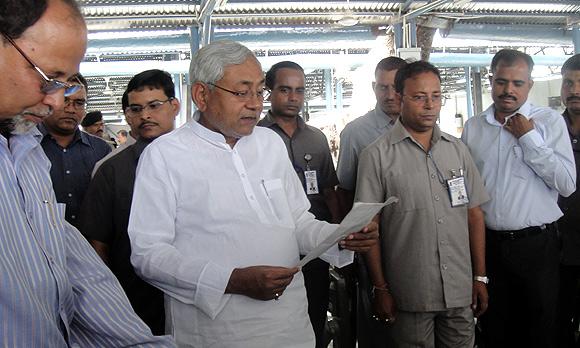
{"type": "Point", "coordinates": [359, 216]}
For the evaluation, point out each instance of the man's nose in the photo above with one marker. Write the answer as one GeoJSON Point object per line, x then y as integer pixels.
{"type": "Point", "coordinates": [55, 100]}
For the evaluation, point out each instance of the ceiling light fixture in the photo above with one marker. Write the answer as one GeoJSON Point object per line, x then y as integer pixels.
{"type": "Point", "coordinates": [348, 19]}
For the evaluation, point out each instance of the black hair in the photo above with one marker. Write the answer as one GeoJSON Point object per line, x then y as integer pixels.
{"type": "Point", "coordinates": [572, 63]}
{"type": "Point", "coordinates": [80, 78]}
{"type": "Point", "coordinates": [411, 70]}
{"type": "Point", "coordinates": [122, 132]}
{"type": "Point", "coordinates": [153, 78]}
{"type": "Point", "coordinates": [16, 16]}
{"type": "Point", "coordinates": [271, 74]}
{"type": "Point", "coordinates": [390, 64]}
{"type": "Point", "coordinates": [509, 57]}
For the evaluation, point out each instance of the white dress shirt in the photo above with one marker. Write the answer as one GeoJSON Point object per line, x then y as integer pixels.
{"type": "Point", "coordinates": [523, 176]}
{"type": "Point", "coordinates": [201, 209]}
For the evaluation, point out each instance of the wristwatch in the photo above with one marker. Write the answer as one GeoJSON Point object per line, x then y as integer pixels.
{"type": "Point", "coordinates": [483, 279]}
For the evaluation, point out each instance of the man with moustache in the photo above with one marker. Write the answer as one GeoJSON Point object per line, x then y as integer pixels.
{"type": "Point", "coordinates": [309, 153]}
{"type": "Point", "coordinates": [55, 291]}
{"type": "Point", "coordinates": [524, 155]}
{"type": "Point", "coordinates": [219, 217]}
{"type": "Point", "coordinates": [355, 136]}
{"type": "Point", "coordinates": [568, 225]}
{"type": "Point", "coordinates": [150, 106]}
{"type": "Point", "coordinates": [428, 273]}
{"type": "Point", "coordinates": [72, 153]}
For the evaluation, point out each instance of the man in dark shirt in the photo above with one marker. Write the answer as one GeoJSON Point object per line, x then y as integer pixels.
{"type": "Point", "coordinates": [310, 154]}
{"type": "Point", "coordinates": [150, 104]}
{"type": "Point", "coordinates": [570, 222]}
{"type": "Point", "coordinates": [71, 152]}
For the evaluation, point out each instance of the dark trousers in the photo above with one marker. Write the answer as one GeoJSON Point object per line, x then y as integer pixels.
{"type": "Point", "coordinates": [568, 307]}
{"type": "Point", "coordinates": [370, 333]}
{"type": "Point", "coordinates": [317, 282]}
{"type": "Point", "coordinates": [523, 290]}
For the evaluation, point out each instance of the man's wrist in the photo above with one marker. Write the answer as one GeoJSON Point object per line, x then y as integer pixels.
{"type": "Point", "coordinates": [481, 278]}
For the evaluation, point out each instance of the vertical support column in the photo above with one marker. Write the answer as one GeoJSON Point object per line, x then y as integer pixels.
{"type": "Point", "coordinates": [398, 30]}
{"type": "Point", "coordinates": [194, 41]}
{"type": "Point", "coordinates": [477, 90]}
{"type": "Point", "coordinates": [576, 39]}
{"type": "Point", "coordinates": [206, 31]}
{"type": "Point", "coordinates": [413, 32]}
{"type": "Point", "coordinates": [339, 95]}
{"type": "Point", "coordinates": [328, 89]}
{"type": "Point", "coordinates": [468, 92]}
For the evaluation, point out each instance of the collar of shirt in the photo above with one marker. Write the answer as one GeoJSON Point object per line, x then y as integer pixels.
{"type": "Point", "coordinates": [400, 133]}
{"type": "Point", "coordinates": [489, 114]}
{"type": "Point", "coordinates": [78, 136]}
{"type": "Point", "coordinates": [382, 119]}
{"type": "Point", "coordinates": [210, 136]}
{"type": "Point", "coordinates": [269, 121]}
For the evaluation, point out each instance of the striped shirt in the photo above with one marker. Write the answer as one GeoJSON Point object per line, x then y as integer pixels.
{"type": "Point", "coordinates": [54, 290]}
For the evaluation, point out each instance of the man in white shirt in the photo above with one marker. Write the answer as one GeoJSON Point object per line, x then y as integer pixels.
{"type": "Point", "coordinates": [219, 217]}
{"type": "Point", "coordinates": [524, 155]}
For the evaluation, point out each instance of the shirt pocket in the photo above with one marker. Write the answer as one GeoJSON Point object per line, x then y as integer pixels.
{"type": "Point", "coordinates": [277, 202]}
{"type": "Point", "coordinates": [410, 189]}
{"type": "Point", "coordinates": [519, 167]}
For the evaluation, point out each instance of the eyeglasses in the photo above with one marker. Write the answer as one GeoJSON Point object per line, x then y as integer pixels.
{"type": "Point", "coordinates": [49, 85]}
{"type": "Point", "coordinates": [78, 104]}
{"type": "Point", "coordinates": [422, 99]}
{"type": "Point", "coordinates": [244, 96]}
{"type": "Point", "coordinates": [135, 110]}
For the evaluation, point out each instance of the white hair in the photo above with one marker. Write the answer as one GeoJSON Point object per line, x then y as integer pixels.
{"type": "Point", "coordinates": [208, 64]}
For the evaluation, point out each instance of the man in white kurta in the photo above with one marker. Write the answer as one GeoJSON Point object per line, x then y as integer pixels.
{"type": "Point", "coordinates": [215, 199]}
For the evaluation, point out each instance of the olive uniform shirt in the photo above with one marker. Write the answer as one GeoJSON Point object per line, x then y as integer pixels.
{"type": "Point", "coordinates": [425, 242]}
{"type": "Point", "coordinates": [309, 140]}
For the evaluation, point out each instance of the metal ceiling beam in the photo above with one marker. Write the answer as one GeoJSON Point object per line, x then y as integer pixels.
{"type": "Point", "coordinates": [510, 33]}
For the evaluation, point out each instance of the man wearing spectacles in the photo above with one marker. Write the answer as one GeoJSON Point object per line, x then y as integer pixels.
{"type": "Point", "coordinates": [55, 291]}
{"type": "Point", "coordinates": [428, 274]}
{"type": "Point", "coordinates": [525, 156]}
{"type": "Point", "coordinates": [71, 152]}
{"type": "Point", "coordinates": [219, 217]}
{"type": "Point", "coordinates": [150, 108]}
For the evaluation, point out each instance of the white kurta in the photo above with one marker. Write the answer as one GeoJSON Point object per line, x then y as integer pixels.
{"type": "Point", "coordinates": [201, 209]}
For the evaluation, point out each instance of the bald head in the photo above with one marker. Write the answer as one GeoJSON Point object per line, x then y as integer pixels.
{"type": "Point", "coordinates": [51, 34]}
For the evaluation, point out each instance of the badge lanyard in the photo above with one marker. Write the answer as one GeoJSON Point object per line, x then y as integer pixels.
{"type": "Point", "coordinates": [455, 186]}
{"type": "Point", "coordinates": [310, 177]}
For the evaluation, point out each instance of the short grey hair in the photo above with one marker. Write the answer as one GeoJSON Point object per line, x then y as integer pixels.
{"type": "Point", "coordinates": [208, 64]}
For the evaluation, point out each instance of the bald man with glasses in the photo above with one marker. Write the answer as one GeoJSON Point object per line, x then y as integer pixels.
{"type": "Point", "coordinates": [55, 291]}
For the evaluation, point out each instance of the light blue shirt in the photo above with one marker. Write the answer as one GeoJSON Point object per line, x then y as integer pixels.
{"type": "Point", "coordinates": [355, 136]}
{"type": "Point", "coordinates": [54, 289]}
{"type": "Point", "coordinates": [523, 176]}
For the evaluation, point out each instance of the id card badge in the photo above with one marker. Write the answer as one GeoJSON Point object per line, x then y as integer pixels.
{"type": "Point", "coordinates": [457, 191]}
{"type": "Point", "coordinates": [311, 182]}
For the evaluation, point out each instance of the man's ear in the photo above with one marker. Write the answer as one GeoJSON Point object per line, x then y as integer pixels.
{"type": "Point", "coordinates": [200, 95]}
{"type": "Point", "coordinates": [374, 85]}
{"type": "Point", "coordinates": [176, 105]}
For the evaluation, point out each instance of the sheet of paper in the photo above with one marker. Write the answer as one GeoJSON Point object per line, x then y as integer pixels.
{"type": "Point", "coordinates": [358, 217]}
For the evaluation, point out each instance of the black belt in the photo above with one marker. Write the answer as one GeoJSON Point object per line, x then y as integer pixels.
{"type": "Point", "coordinates": [523, 233]}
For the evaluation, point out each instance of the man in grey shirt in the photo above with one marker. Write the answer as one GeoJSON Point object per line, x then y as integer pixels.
{"type": "Point", "coordinates": [353, 139]}
{"type": "Point", "coordinates": [429, 271]}
{"type": "Point", "coordinates": [362, 131]}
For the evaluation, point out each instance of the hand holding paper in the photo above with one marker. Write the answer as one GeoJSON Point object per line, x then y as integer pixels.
{"type": "Point", "coordinates": [359, 216]}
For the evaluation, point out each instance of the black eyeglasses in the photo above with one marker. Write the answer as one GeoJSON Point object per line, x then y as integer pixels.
{"type": "Point", "coordinates": [50, 85]}
{"type": "Point", "coordinates": [244, 95]}
{"type": "Point", "coordinates": [135, 110]}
